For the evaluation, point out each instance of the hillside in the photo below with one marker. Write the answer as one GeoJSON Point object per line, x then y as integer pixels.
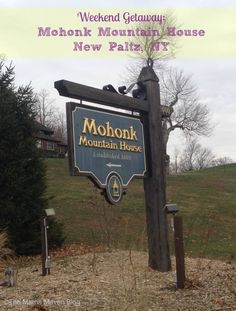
{"type": "Point", "coordinates": [206, 200]}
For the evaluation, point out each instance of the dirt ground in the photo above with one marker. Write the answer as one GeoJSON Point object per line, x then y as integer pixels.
{"type": "Point", "coordinates": [121, 280]}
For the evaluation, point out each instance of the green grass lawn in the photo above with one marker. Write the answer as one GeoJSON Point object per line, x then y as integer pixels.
{"type": "Point", "coordinates": [206, 199]}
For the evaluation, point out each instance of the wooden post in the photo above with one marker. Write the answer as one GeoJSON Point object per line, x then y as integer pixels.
{"type": "Point", "coordinates": [154, 184]}
{"type": "Point", "coordinates": [179, 251]}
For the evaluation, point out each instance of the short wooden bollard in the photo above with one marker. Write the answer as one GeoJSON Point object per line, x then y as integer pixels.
{"type": "Point", "coordinates": [179, 251]}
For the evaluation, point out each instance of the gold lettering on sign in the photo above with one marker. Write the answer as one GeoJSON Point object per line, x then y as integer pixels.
{"type": "Point", "coordinates": [107, 130]}
{"type": "Point", "coordinates": [84, 141]}
{"type": "Point", "coordinates": [89, 126]}
{"type": "Point", "coordinates": [123, 146]}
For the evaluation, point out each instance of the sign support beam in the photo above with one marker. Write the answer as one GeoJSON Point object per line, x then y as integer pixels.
{"type": "Point", "coordinates": [154, 184]}
{"type": "Point", "coordinates": [94, 95]}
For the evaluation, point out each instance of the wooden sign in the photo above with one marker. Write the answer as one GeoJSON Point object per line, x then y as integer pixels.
{"type": "Point", "coordinates": [152, 114]}
{"type": "Point", "coordinates": [106, 146]}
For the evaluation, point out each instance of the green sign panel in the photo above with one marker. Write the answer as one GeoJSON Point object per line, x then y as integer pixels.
{"type": "Point", "coordinates": [108, 147]}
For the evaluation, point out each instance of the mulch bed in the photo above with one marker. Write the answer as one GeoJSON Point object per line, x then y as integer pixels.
{"type": "Point", "coordinates": [88, 279]}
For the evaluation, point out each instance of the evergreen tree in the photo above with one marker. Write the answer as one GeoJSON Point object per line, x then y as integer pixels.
{"type": "Point", "coordinates": [22, 170]}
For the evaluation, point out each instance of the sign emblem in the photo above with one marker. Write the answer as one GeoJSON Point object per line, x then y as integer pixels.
{"type": "Point", "coordinates": [114, 189]}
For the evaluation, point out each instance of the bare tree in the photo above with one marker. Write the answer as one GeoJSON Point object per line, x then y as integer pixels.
{"type": "Point", "coordinates": [155, 34]}
{"type": "Point", "coordinates": [189, 155]}
{"type": "Point", "coordinates": [205, 158]}
{"type": "Point", "coordinates": [59, 127]}
{"type": "Point", "coordinates": [48, 115]}
{"type": "Point", "coordinates": [158, 32]}
{"type": "Point", "coordinates": [177, 89]}
{"type": "Point", "coordinates": [155, 37]}
{"type": "Point", "coordinates": [189, 114]}
{"type": "Point", "coordinates": [222, 161]}
{"type": "Point", "coordinates": [195, 157]}
{"type": "Point", "coordinates": [45, 110]}
{"type": "Point", "coordinates": [179, 92]}
{"type": "Point", "coordinates": [174, 166]}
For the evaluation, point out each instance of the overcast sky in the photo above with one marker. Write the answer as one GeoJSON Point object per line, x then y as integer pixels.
{"type": "Point", "coordinates": [215, 78]}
